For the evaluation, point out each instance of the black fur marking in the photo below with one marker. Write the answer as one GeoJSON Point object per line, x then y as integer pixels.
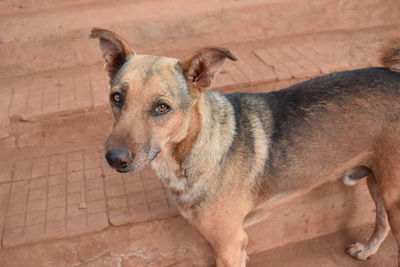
{"type": "Point", "coordinates": [292, 106]}
{"type": "Point", "coordinates": [152, 69]}
{"type": "Point", "coordinates": [243, 134]}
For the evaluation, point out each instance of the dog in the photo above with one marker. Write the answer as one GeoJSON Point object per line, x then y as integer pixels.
{"type": "Point", "coordinates": [226, 158]}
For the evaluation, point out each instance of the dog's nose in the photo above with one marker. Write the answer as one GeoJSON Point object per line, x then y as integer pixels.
{"type": "Point", "coordinates": [119, 158]}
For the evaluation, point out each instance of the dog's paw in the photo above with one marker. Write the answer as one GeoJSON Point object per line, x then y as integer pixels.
{"type": "Point", "coordinates": [360, 251]}
{"type": "Point", "coordinates": [245, 258]}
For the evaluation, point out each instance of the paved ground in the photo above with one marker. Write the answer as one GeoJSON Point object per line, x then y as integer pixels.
{"type": "Point", "coordinates": [58, 194]}
{"type": "Point", "coordinates": [53, 95]}
{"type": "Point", "coordinates": [327, 251]}
{"type": "Point", "coordinates": [172, 242]}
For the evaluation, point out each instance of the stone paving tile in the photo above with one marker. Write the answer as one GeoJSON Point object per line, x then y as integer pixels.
{"type": "Point", "coordinates": [337, 61]}
{"type": "Point", "coordinates": [38, 97]}
{"type": "Point", "coordinates": [83, 92]}
{"type": "Point", "coordinates": [5, 173]}
{"type": "Point", "coordinates": [65, 194]}
{"type": "Point", "coordinates": [135, 197]}
{"type": "Point", "coordinates": [40, 206]}
{"type": "Point", "coordinates": [66, 94]}
{"type": "Point", "coordinates": [297, 70]}
{"type": "Point", "coordinates": [4, 196]}
{"type": "Point", "coordinates": [271, 57]}
{"type": "Point", "coordinates": [254, 68]}
{"type": "Point", "coordinates": [358, 55]}
{"type": "Point", "coordinates": [41, 97]}
{"type": "Point", "coordinates": [307, 51]}
{"type": "Point", "coordinates": [311, 70]}
{"type": "Point", "coordinates": [100, 88]}
{"type": "Point", "coordinates": [5, 100]}
{"type": "Point", "coordinates": [238, 78]}
{"type": "Point", "coordinates": [87, 51]}
{"type": "Point", "coordinates": [70, 193]}
{"type": "Point", "coordinates": [223, 80]}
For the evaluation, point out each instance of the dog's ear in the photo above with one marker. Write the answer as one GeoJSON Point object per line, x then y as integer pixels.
{"type": "Point", "coordinates": [201, 68]}
{"type": "Point", "coordinates": [115, 50]}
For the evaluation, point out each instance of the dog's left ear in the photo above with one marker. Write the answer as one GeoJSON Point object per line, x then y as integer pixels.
{"type": "Point", "coordinates": [201, 68]}
{"type": "Point", "coordinates": [115, 50]}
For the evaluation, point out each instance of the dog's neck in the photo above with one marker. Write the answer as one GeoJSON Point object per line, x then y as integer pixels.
{"type": "Point", "coordinates": [198, 156]}
{"type": "Point", "coordinates": [180, 150]}
{"type": "Point", "coordinates": [215, 132]}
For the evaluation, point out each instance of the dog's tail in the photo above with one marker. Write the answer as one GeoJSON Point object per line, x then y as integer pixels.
{"type": "Point", "coordinates": [390, 57]}
{"type": "Point", "coordinates": [353, 176]}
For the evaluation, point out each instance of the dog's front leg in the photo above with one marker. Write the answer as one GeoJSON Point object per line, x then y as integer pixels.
{"type": "Point", "coordinates": [229, 246]}
{"type": "Point", "coordinates": [230, 249]}
{"type": "Point", "coordinates": [228, 239]}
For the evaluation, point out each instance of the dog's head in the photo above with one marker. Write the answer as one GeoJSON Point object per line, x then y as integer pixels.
{"type": "Point", "coordinates": [152, 98]}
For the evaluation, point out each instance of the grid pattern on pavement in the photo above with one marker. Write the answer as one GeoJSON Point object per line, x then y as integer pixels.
{"type": "Point", "coordinates": [40, 97]}
{"type": "Point", "coordinates": [72, 193]}
{"type": "Point", "coordinates": [75, 192]}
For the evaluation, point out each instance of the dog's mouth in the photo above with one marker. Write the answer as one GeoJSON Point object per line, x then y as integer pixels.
{"type": "Point", "coordinates": [122, 170]}
{"type": "Point", "coordinates": [139, 165]}
{"type": "Point", "coordinates": [128, 169]}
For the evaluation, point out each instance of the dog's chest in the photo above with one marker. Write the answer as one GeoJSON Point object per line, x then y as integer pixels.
{"type": "Point", "coordinates": [167, 171]}
{"type": "Point", "coordinates": [173, 178]}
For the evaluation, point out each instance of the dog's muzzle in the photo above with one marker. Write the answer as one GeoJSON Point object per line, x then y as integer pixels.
{"type": "Point", "coordinates": [120, 159]}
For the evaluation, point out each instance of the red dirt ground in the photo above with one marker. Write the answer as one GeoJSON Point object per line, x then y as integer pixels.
{"type": "Point", "coordinates": [60, 205]}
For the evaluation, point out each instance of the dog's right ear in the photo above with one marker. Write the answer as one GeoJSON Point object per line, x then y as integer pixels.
{"type": "Point", "coordinates": [115, 50]}
{"type": "Point", "coordinates": [201, 68]}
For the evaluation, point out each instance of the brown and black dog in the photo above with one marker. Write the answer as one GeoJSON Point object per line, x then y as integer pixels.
{"type": "Point", "coordinates": [226, 158]}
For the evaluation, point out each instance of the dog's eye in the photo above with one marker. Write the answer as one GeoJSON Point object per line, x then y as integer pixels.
{"type": "Point", "coordinates": [117, 98]}
{"type": "Point", "coordinates": [160, 109]}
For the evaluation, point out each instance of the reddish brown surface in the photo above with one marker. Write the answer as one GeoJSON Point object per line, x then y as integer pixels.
{"type": "Point", "coordinates": [54, 118]}
{"type": "Point", "coordinates": [172, 242]}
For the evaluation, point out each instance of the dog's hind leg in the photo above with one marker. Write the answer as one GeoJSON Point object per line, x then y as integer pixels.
{"type": "Point", "coordinates": [387, 174]}
{"type": "Point", "coordinates": [391, 197]}
{"type": "Point", "coordinates": [363, 251]}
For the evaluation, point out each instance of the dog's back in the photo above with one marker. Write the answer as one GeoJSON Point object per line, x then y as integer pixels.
{"type": "Point", "coordinates": [332, 122]}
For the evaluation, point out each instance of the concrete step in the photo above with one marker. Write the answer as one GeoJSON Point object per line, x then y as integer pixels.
{"type": "Point", "coordinates": [56, 38]}
{"type": "Point", "coordinates": [49, 191]}
{"type": "Point", "coordinates": [54, 183]}
{"type": "Point", "coordinates": [172, 242]}
{"type": "Point", "coordinates": [54, 118]}
{"type": "Point", "coordinates": [63, 194]}
{"type": "Point", "coordinates": [28, 6]}
{"type": "Point", "coordinates": [327, 251]}
{"type": "Point", "coordinates": [277, 62]}
{"type": "Point", "coordinates": [256, 18]}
